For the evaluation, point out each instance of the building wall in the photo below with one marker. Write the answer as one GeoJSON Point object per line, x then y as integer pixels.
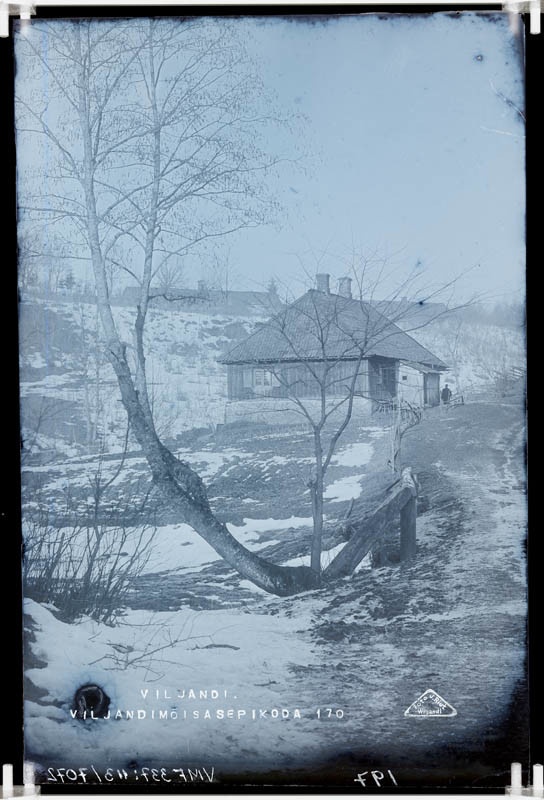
{"type": "Point", "coordinates": [247, 381]}
{"type": "Point", "coordinates": [418, 388]}
{"type": "Point", "coordinates": [278, 411]}
{"type": "Point", "coordinates": [411, 385]}
{"type": "Point", "coordinates": [378, 379]}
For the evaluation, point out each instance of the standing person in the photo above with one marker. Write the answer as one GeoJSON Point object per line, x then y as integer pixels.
{"type": "Point", "coordinates": [445, 394]}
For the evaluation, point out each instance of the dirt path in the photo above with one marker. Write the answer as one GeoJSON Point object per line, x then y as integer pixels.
{"type": "Point", "coordinates": [453, 620]}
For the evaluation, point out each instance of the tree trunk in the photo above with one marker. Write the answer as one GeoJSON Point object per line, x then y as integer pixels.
{"type": "Point", "coordinates": [316, 490]}
{"type": "Point", "coordinates": [182, 487]}
{"type": "Point", "coordinates": [317, 535]}
{"type": "Point", "coordinates": [185, 492]}
{"type": "Point", "coordinates": [140, 379]}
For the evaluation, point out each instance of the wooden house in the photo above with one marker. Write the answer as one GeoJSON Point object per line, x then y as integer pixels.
{"type": "Point", "coordinates": [332, 344]}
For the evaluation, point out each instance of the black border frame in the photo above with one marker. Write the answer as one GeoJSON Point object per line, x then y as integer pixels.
{"type": "Point", "coordinates": [11, 713]}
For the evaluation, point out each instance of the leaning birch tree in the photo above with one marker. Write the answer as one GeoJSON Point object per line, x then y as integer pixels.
{"type": "Point", "coordinates": [147, 138]}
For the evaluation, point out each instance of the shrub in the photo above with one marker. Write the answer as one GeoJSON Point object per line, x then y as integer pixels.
{"type": "Point", "coordinates": [84, 569]}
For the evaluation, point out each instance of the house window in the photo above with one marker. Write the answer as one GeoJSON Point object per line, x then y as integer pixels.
{"type": "Point", "coordinates": [405, 377]}
{"type": "Point", "coordinates": [262, 377]}
{"type": "Point", "coordinates": [263, 380]}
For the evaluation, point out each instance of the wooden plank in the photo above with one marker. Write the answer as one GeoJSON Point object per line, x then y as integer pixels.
{"type": "Point", "coordinates": [366, 532]}
{"type": "Point", "coordinates": [408, 514]}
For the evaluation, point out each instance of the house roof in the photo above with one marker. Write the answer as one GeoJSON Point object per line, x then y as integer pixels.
{"type": "Point", "coordinates": [320, 326]}
{"type": "Point", "coordinates": [420, 367]}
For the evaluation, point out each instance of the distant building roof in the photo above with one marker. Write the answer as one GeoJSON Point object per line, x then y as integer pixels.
{"type": "Point", "coordinates": [261, 302]}
{"type": "Point", "coordinates": [321, 326]}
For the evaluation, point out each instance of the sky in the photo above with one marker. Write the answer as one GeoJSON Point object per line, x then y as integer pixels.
{"type": "Point", "coordinates": [408, 147]}
{"type": "Point", "coordinates": [413, 151]}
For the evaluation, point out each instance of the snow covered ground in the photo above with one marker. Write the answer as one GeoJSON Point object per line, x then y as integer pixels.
{"type": "Point", "coordinates": [479, 356]}
{"type": "Point", "coordinates": [145, 664]}
{"type": "Point", "coordinates": [61, 361]}
{"type": "Point", "coordinates": [365, 648]}
{"type": "Point", "coordinates": [262, 669]}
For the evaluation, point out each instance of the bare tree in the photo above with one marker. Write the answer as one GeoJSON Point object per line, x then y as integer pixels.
{"type": "Point", "coordinates": [325, 341]}
{"type": "Point", "coordinates": [82, 559]}
{"type": "Point", "coordinates": [91, 365]}
{"type": "Point", "coordinates": [46, 258]}
{"type": "Point", "coordinates": [152, 135]}
{"type": "Point", "coordinates": [168, 280]}
{"type": "Point", "coordinates": [153, 128]}
{"type": "Point", "coordinates": [315, 354]}
{"type": "Point", "coordinates": [29, 256]}
{"type": "Point", "coordinates": [220, 274]}
{"type": "Point", "coordinates": [39, 416]}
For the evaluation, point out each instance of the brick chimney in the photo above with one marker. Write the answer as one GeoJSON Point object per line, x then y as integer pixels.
{"type": "Point", "coordinates": [344, 287]}
{"type": "Point", "coordinates": [322, 282]}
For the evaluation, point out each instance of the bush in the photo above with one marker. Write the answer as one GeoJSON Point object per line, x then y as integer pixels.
{"type": "Point", "coordinates": [82, 554]}
{"type": "Point", "coordinates": [84, 569]}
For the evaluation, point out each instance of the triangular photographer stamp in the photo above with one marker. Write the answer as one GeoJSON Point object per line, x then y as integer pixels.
{"type": "Point", "coordinates": [430, 704]}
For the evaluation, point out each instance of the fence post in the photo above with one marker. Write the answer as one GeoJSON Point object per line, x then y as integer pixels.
{"type": "Point", "coordinates": [408, 515]}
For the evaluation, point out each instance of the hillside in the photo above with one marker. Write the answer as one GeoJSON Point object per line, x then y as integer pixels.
{"type": "Point", "coordinates": [71, 398]}
{"type": "Point", "coordinates": [483, 359]}
{"type": "Point", "coordinates": [314, 687]}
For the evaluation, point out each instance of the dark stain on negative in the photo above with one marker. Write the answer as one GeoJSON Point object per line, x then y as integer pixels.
{"type": "Point", "coordinates": [90, 701]}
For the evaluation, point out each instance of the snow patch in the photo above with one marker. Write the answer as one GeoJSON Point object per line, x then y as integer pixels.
{"type": "Point", "coordinates": [326, 557]}
{"type": "Point", "coordinates": [348, 488]}
{"type": "Point", "coordinates": [255, 526]}
{"type": "Point", "coordinates": [355, 455]}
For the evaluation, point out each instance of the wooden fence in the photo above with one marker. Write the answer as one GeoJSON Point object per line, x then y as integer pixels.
{"type": "Point", "coordinates": [364, 533]}
{"type": "Point", "coordinates": [456, 400]}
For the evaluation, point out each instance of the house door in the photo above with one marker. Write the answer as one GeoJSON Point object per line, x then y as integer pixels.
{"type": "Point", "coordinates": [431, 389]}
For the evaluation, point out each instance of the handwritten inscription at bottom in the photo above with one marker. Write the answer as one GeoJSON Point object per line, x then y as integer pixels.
{"type": "Point", "coordinates": [375, 777]}
{"type": "Point", "coordinates": [141, 774]}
